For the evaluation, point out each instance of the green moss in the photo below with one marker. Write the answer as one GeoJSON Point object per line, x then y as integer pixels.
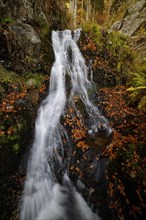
{"type": "Point", "coordinates": [7, 20]}
{"type": "Point", "coordinates": [33, 80]}
{"type": "Point", "coordinates": [7, 76]}
{"type": "Point", "coordinates": [16, 147]}
{"type": "Point", "coordinates": [44, 24]}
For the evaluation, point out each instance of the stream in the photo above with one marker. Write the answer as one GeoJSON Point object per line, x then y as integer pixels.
{"type": "Point", "coordinates": [48, 192]}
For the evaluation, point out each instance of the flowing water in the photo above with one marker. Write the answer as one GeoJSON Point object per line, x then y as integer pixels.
{"type": "Point", "coordinates": [44, 197]}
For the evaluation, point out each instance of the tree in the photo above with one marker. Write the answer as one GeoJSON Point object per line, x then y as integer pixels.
{"type": "Point", "coordinates": [85, 10]}
{"type": "Point", "coordinates": [75, 12]}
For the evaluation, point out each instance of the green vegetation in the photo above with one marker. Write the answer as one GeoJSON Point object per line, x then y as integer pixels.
{"type": "Point", "coordinates": [94, 31]}
{"type": "Point", "coordinates": [7, 20]}
{"type": "Point", "coordinates": [138, 86]}
{"type": "Point", "coordinates": [98, 5]}
{"type": "Point", "coordinates": [43, 23]}
{"type": "Point", "coordinates": [119, 10]}
{"type": "Point", "coordinates": [7, 76]}
{"type": "Point", "coordinates": [142, 30]}
{"type": "Point", "coordinates": [10, 135]}
{"type": "Point", "coordinates": [15, 103]}
{"type": "Point", "coordinates": [121, 51]}
{"type": "Point", "coordinates": [130, 70]}
{"type": "Point", "coordinates": [129, 66]}
{"type": "Point", "coordinates": [33, 80]}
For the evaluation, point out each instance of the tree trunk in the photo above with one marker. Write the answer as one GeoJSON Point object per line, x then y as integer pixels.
{"type": "Point", "coordinates": [71, 6]}
{"type": "Point", "coordinates": [75, 13]}
{"type": "Point", "coordinates": [82, 9]}
{"type": "Point", "coordinates": [87, 10]}
{"type": "Point", "coordinates": [108, 8]}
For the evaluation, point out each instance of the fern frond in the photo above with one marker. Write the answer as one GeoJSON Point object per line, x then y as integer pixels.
{"type": "Point", "coordinates": [138, 94]}
{"type": "Point", "coordinates": [139, 88]}
{"type": "Point", "coordinates": [142, 104]}
{"type": "Point", "coordinates": [138, 79]}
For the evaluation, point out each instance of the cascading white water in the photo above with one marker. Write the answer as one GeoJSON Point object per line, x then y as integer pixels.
{"type": "Point", "coordinates": [44, 198]}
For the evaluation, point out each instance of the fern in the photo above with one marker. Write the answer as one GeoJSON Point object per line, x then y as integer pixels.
{"type": "Point", "coordinates": [142, 104]}
{"type": "Point", "coordinates": [139, 79]}
{"type": "Point", "coordinates": [138, 94]}
{"type": "Point", "coordinates": [138, 86]}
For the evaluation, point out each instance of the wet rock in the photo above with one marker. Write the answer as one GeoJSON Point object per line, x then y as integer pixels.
{"type": "Point", "coordinates": [93, 186]}
{"type": "Point", "coordinates": [99, 134]}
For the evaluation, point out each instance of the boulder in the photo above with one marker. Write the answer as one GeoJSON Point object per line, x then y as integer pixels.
{"type": "Point", "coordinates": [26, 38]}
{"type": "Point", "coordinates": [99, 137]}
{"type": "Point", "coordinates": [20, 47]}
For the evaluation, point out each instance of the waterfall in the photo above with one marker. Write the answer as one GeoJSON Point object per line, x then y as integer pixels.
{"type": "Point", "coordinates": [44, 197]}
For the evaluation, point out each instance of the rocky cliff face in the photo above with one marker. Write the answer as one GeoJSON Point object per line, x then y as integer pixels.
{"type": "Point", "coordinates": [130, 21]}
{"type": "Point", "coordinates": [24, 33]}
{"type": "Point", "coordinates": [25, 51]}
{"type": "Point", "coordinates": [133, 16]}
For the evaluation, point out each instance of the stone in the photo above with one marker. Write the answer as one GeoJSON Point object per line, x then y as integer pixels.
{"type": "Point", "coordinates": [134, 19]}
{"type": "Point", "coordinates": [116, 26]}
{"type": "Point", "coordinates": [21, 9]}
{"type": "Point", "coordinates": [99, 137]}
{"type": "Point", "coordinates": [27, 39]}
{"type": "Point", "coordinates": [22, 46]}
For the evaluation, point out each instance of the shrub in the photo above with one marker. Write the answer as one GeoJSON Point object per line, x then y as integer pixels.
{"type": "Point", "coordinates": [94, 31]}
{"type": "Point", "coordinates": [138, 86]}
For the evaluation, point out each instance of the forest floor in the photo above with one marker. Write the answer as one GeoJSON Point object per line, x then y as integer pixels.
{"type": "Point", "coordinates": [122, 164]}
{"type": "Point", "coordinates": [126, 179]}
{"type": "Point", "coordinates": [127, 153]}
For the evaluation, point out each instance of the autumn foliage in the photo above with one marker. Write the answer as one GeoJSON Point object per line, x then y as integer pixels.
{"type": "Point", "coordinates": [126, 168]}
